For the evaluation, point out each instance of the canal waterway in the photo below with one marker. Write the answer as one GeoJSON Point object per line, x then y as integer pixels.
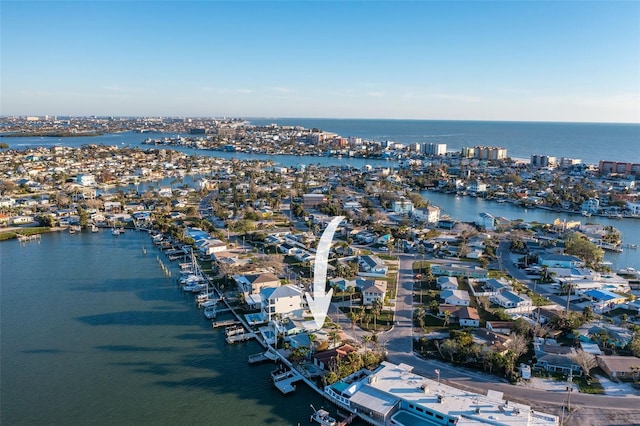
{"type": "Point", "coordinates": [466, 208]}
{"type": "Point", "coordinates": [93, 332]}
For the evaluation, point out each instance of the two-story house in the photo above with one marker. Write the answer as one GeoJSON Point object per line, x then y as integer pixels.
{"type": "Point", "coordinates": [373, 290]}
{"type": "Point", "coordinates": [254, 283]}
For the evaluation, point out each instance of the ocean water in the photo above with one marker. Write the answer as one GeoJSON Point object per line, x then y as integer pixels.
{"type": "Point", "coordinates": [590, 142]}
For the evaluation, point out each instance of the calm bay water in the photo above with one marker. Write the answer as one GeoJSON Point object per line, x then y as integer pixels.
{"type": "Point", "coordinates": [94, 333]}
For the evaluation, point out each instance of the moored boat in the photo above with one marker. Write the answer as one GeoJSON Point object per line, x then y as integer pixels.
{"type": "Point", "coordinates": [322, 417]}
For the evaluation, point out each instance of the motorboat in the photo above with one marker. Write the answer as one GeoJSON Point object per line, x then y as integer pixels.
{"type": "Point", "coordinates": [322, 417]}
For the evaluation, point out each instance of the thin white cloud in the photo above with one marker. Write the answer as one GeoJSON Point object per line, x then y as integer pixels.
{"type": "Point", "coordinates": [455, 97]}
{"type": "Point", "coordinates": [226, 90]}
{"type": "Point", "coordinates": [626, 101]}
{"type": "Point", "coordinates": [282, 89]}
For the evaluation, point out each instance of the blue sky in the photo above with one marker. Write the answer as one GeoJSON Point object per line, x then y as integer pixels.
{"type": "Point", "coordinates": [530, 61]}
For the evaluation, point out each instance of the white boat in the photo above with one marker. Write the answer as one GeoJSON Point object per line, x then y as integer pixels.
{"type": "Point", "coordinates": [194, 287]}
{"type": "Point", "coordinates": [94, 228]}
{"type": "Point", "coordinates": [115, 231]}
{"type": "Point", "coordinates": [322, 417]}
{"type": "Point", "coordinates": [207, 303]}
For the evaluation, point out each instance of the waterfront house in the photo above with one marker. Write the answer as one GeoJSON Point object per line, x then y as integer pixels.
{"type": "Point", "coordinates": [429, 214]}
{"type": "Point", "coordinates": [284, 301]}
{"type": "Point", "coordinates": [327, 359]}
{"type": "Point", "coordinates": [590, 206]}
{"type": "Point", "coordinates": [604, 300]}
{"type": "Point", "coordinates": [552, 260]}
{"type": "Point", "coordinates": [394, 394]}
{"type": "Point", "coordinates": [254, 283]}
{"type": "Point", "coordinates": [486, 221]}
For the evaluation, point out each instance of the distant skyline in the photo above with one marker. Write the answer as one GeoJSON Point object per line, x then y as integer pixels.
{"type": "Point", "coordinates": [573, 61]}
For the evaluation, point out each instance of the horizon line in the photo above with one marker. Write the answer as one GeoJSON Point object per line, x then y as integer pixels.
{"type": "Point", "coordinates": [3, 116]}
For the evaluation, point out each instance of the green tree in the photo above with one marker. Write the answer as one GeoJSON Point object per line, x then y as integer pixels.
{"type": "Point", "coordinates": [83, 217]}
{"type": "Point", "coordinates": [376, 310]}
{"type": "Point", "coordinates": [45, 220]}
{"type": "Point", "coordinates": [578, 245]}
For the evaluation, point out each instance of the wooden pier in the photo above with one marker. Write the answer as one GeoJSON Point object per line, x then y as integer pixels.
{"type": "Point", "coordinates": [348, 420]}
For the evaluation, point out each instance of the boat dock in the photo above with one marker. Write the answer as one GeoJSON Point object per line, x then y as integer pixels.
{"type": "Point", "coordinates": [285, 382]}
{"type": "Point", "coordinates": [225, 323]}
{"type": "Point", "coordinates": [262, 357]}
{"type": "Point", "coordinates": [24, 238]}
{"type": "Point", "coordinates": [348, 420]}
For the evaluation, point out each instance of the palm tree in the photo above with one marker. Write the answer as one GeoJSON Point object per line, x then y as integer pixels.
{"type": "Point", "coordinates": [334, 337]}
{"type": "Point", "coordinates": [366, 339]}
{"type": "Point", "coordinates": [361, 314]}
{"type": "Point", "coordinates": [447, 316]}
{"type": "Point", "coordinates": [419, 314]}
{"type": "Point", "coordinates": [353, 318]}
{"type": "Point", "coordinates": [351, 290]}
{"type": "Point", "coordinates": [376, 310]}
{"type": "Point", "coordinates": [312, 339]}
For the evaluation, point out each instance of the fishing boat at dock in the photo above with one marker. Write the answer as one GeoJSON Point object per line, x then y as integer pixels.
{"type": "Point", "coordinates": [322, 417]}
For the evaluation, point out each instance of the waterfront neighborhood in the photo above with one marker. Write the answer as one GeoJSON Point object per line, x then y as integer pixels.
{"type": "Point", "coordinates": [433, 320]}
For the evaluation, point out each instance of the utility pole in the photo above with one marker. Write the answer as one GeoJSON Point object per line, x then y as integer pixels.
{"type": "Point", "coordinates": [569, 389]}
